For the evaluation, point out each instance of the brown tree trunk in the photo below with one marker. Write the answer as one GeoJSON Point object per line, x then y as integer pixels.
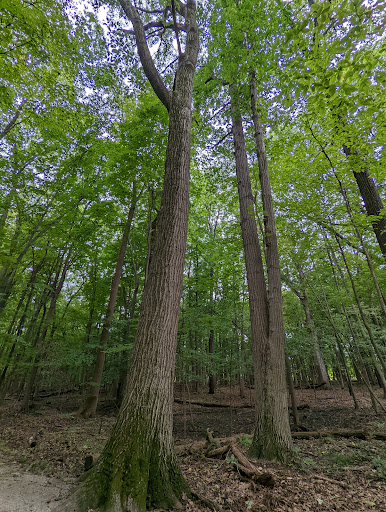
{"type": "Point", "coordinates": [272, 435]}
{"type": "Point", "coordinates": [88, 408]}
{"type": "Point", "coordinates": [371, 198]}
{"type": "Point", "coordinates": [30, 289]}
{"type": "Point", "coordinates": [291, 388]}
{"type": "Point", "coordinates": [138, 466]}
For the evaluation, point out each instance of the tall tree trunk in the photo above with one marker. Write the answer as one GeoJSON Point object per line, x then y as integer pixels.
{"type": "Point", "coordinates": [30, 289]}
{"type": "Point", "coordinates": [272, 435]}
{"type": "Point", "coordinates": [138, 466]}
{"type": "Point", "coordinates": [88, 408]}
{"type": "Point", "coordinates": [291, 389]}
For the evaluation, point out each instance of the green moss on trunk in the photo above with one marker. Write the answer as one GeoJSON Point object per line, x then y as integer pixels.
{"type": "Point", "coordinates": [132, 474]}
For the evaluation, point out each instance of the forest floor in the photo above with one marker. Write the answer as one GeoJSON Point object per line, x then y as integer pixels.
{"type": "Point", "coordinates": [42, 453]}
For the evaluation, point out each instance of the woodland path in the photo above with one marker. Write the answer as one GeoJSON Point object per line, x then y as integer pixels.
{"type": "Point", "coordinates": [22, 491]}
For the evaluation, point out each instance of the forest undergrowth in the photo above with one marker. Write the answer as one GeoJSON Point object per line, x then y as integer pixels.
{"type": "Point", "coordinates": [329, 473]}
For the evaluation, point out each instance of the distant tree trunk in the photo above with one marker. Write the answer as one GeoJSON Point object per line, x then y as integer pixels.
{"type": "Point", "coordinates": [291, 389]}
{"type": "Point", "coordinates": [30, 289]}
{"type": "Point", "coordinates": [88, 408]}
{"type": "Point", "coordinates": [212, 378]}
{"type": "Point", "coordinates": [320, 366]}
{"type": "Point", "coordinates": [124, 358]}
{"type": "Point", "coordinates": [242, 352]}
{"type": "Point", "coordinates": [360, 308]}
{"type": "Point", "coordinates": [57, 288]}
{"type": "Point", "coordinates": [138, 466]}
{"type": "Point", "coordinates": [272, 435]}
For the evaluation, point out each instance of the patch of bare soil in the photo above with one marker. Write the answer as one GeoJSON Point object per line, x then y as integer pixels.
{"type": "Point", "coordinates": [43, 452]}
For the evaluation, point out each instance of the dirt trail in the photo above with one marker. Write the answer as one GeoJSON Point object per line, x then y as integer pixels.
{"type": "Point", "coordinates": [26, 492]}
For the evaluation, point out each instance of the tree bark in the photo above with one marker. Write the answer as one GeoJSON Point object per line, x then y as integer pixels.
{"type": "Point", "coordinates": [371, 198]}
{"type": "Point", "coordinates": [272, 435]}
{"type": "Point", "coordinates": [271, 439]}
{"type": "Point", "coordinates": [138, 466]}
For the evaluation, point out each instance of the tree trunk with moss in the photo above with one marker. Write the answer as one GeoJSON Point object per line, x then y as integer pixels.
{"type": "Point", "coordinates": [138, 466]}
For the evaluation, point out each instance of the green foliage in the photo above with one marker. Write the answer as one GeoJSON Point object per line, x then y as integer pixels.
{"type": "Point", "coordinates": [247, 441]}
{"type": "Point", "coordinates": [87, 129]}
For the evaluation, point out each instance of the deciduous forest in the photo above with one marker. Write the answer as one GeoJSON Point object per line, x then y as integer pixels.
{"type": "Point", "coordinates": [192, 255]}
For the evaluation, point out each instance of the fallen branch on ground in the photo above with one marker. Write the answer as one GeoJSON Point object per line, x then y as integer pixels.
{"type": "Point", "coordinates": [240, 463]}
{"type": "Point", "coordinates": [339, 433]}
{"type": "Point", "coordinates": [211, 404]}
{"type": "Point", "coordinates": [330, 480]}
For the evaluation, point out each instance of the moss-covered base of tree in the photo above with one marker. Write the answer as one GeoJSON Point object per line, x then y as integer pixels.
{"type": "Point", "coordinates": [130, 477]}
{"type": "Point", "coordinates": [277, 452]}
{"type": "Point", "coordinates": [272, 439]}
{"type": "Point", "coordinates": [272, 445]}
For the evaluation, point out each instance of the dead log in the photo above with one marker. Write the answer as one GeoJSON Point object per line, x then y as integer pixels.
{"type": "Point", "coordinates": [211, 404]}
{"type": "Point", "coordinates": [265, 479]}
{"type": "Point", "coordinates": [217, 452]}
{"type": "Point", "coordinates": [242, 458]}
{"type": "Point", "coordinates": [246, 467]}
{"type": "Point", "coordinates": [191, 448]}
{"type": "Point", "coordinates": [211, 440]}
{"type": "Point", "coordinates": [331, 433]}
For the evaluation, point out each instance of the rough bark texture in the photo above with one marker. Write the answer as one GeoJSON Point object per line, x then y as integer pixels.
{"type": "Point", "coordinates": [272, 436]}
{"type": "Point", "coordinates": [138, 466]}
{"type": "Point", "coordinates": [372, 199]}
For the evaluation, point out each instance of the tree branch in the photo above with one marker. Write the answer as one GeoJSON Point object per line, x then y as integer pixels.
{"type": "Point", "coordinates": [144, 54]}
{"type": "Point", "coordinates": [176, 28]}
{"type": "Point", "coordinates": [12, 122]}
